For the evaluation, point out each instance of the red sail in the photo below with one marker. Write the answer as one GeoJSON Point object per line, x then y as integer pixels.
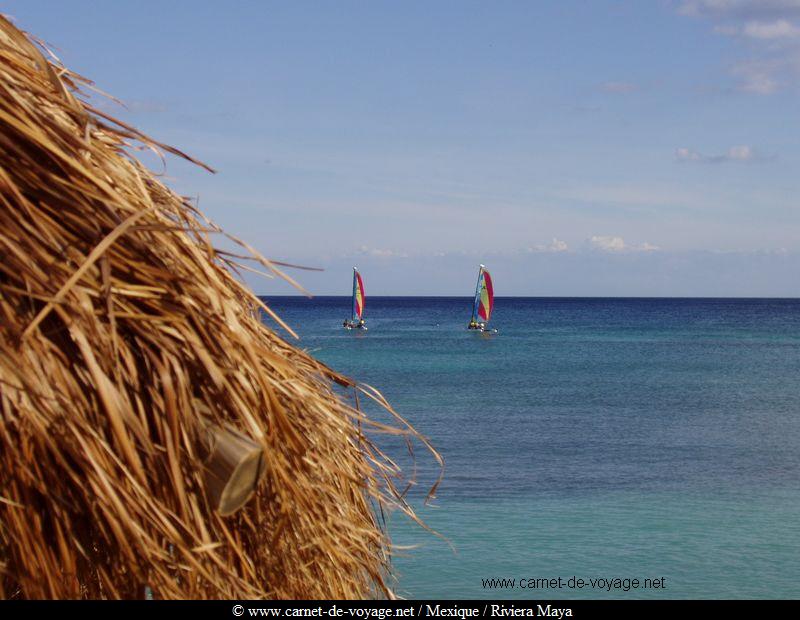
{"type": "Point", "coordinates": [359, 297]}
{"type": "Point", "coordinates": [486, 297]}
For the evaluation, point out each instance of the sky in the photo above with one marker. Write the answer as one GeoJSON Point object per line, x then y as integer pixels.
{"type": "Point", "coordinates": [604, 148]}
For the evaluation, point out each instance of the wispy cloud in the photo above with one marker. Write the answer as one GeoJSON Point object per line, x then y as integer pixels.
{"type": "Point", "coordinates": [632, 197]}
{"type": "Point", "coordinates": [740, 154]}
{"type": "Point", "coordinates": [772, 30]}
{"type": "Point", "coordinates": [618, 87]}
{"type": "Point", "coordinates": [761, 77]}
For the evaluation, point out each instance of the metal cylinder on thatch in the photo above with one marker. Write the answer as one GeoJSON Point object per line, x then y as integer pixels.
{"type": "Point", "coordinates": [153, 431]}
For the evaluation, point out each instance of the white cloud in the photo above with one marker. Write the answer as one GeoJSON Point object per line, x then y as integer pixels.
{"type": "Point", "coordinates": [648, 247]}
{"type": "Point", "coordinates": [379, 253]}
{"type": "Point", "coordinates": [778, 29]}
{"type": "Point", "coordinates": [606, 244]}
{"type": "Point", "coordinates": [760, 30]}
{"type": "Point", "coordinates": [602, 243]}
{"type": "Point", "coordinates": [739, 8]}
{"type": "Point", "coordinates": [556, 245]}
{"type": "Point", "coordinates": [740, 153]}
{"type": "Point", "coordinates": [684, 154]}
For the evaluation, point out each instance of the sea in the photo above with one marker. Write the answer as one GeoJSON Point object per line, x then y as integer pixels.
{"type": "Point", "coordinates": [647, 448]}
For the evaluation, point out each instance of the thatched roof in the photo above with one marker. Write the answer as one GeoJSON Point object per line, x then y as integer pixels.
{"type": "Point", "coordinates": [126, 345]}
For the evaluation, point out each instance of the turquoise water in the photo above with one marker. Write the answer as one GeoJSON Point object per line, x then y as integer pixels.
{"type": "Point", "coordinates": [613, 438]}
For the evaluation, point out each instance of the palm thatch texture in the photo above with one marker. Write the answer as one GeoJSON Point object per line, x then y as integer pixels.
{"type": "Point", "coordinates": [124, 338]}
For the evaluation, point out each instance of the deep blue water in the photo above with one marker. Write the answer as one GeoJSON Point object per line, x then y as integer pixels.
{"type": "Point", "coordinates": [589, 437]}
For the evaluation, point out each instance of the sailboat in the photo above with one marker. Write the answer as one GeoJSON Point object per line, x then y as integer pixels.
{"type": "Point", "coordinates": [355, 321]}
{"type": "Point", "coordinates": [484, 301]}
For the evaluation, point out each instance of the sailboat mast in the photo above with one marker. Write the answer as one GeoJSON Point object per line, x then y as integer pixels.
{"type": "Point", "coordinates": [477, 294]}
{"type": "Point", "coordinates": [355, 284]}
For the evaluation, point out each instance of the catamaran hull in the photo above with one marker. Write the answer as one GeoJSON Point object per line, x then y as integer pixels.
{"type": "Point", "coordinates": [482, 330]}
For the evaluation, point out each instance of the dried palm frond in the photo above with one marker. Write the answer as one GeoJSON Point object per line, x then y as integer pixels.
{"type": "Point", "coordinates": [125, 338]}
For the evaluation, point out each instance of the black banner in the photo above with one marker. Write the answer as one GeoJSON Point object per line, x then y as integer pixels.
{"type": "Point", "coordinates": [381, 610]}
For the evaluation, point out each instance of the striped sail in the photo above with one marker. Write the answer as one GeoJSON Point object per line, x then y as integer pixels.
{"type": "Point", "coordinates": [484, 296]}
{"type": "Point", "coordinates": [358, 295]}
